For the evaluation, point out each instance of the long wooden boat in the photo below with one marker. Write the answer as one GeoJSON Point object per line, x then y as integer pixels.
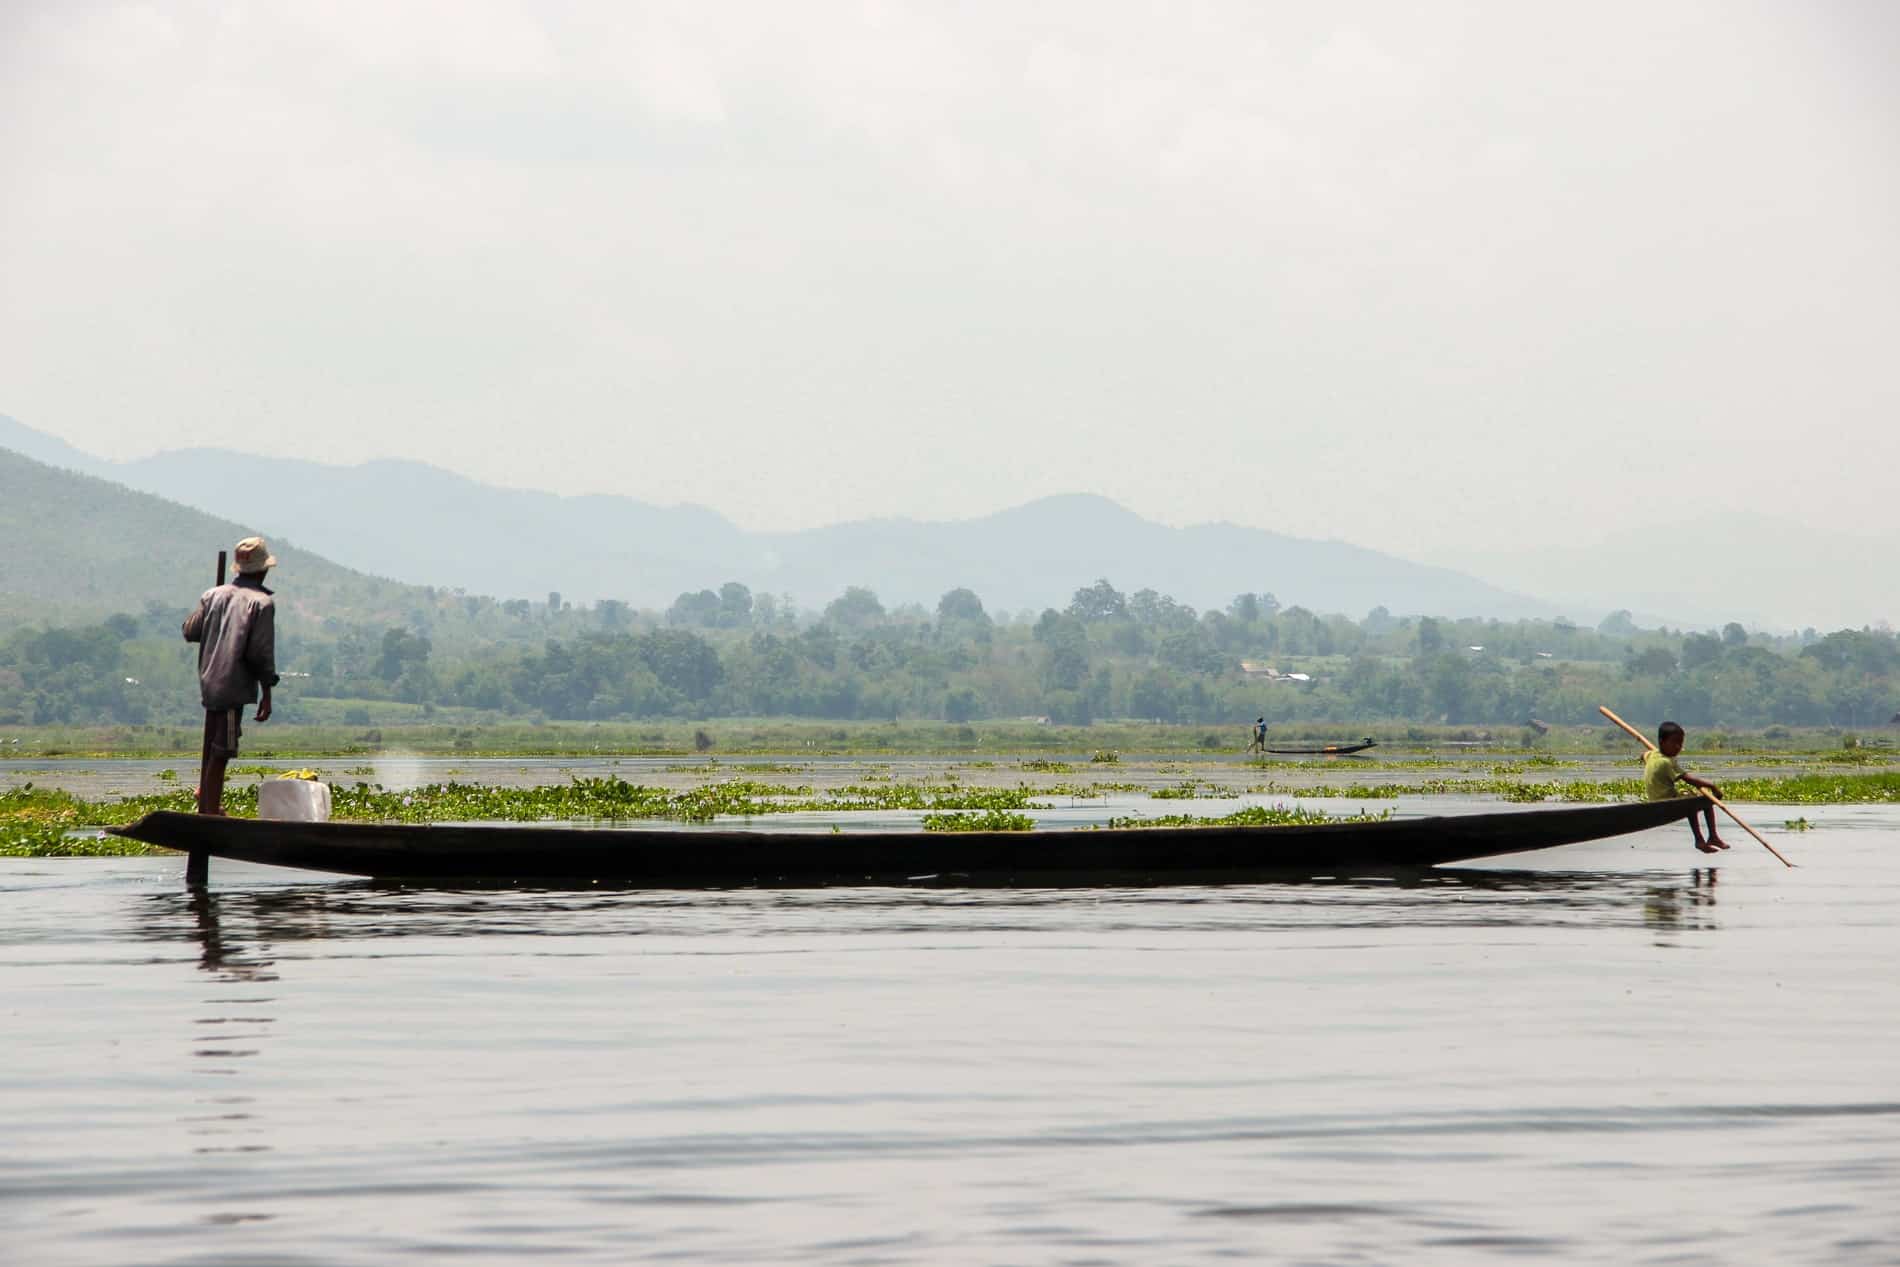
{"type": "Point", "coordinates": [710, 858]}
{"type": "Point", "coordinates": [1329, 750]}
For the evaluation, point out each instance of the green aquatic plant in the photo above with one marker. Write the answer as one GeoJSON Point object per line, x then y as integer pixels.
{"type": "Point", "coordinates": [989, 820]}
{"type": "Point", "coordinates": [1503, 788]}
{"type": "Point", "coordinates": [1816, 789]}
{"type": "Point", "coordinates": [1083, 791]}
{"type": "Point", "coordinates": [41, 822]}
{"type": "Point", "coordinates": [52, 841]}
{"type": "Point", "coordinates": [909, 796]}
{"type": "Point", "coordinates": [1254, 816]}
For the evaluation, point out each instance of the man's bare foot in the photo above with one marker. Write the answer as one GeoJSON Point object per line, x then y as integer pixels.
{"type": "Point", "coordinates": [1718, 842]}
{"type": "Point", "coordinates": [1711, 847]}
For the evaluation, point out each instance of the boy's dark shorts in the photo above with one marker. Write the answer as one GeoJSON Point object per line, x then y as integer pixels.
{"type": "Point", "coordinates": [223, 726]}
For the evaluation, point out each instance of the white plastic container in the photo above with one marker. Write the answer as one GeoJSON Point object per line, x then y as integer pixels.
{"type": "Point", "coordinates": [294, 800]}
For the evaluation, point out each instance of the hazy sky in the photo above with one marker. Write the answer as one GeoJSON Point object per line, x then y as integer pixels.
{"type": "Point", "coordinates": [1426, 277]}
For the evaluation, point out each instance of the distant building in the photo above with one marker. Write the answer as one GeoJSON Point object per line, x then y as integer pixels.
{"type": "Point", "coordinates": [1265, 672]}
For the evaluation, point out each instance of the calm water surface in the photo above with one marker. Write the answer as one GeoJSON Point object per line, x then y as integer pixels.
{"type": "Point", "coordinates": [1604, 1054]}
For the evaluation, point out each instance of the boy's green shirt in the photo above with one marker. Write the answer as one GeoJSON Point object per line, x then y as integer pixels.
{"type": "Point", "coordinates": [1659, 776]}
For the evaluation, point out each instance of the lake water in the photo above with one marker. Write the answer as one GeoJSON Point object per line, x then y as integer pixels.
{"type": "Point", "coordinates": [1609, 1053]}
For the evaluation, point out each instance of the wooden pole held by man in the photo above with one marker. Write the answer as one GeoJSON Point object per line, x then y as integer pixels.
{"type": "Point", "coordinates": [198, 862]}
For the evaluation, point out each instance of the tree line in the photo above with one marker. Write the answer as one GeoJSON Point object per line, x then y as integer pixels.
{"type": "Point", "coordinates": [1104, 654]}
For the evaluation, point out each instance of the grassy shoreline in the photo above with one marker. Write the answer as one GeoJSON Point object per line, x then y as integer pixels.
{"type": "Point", "coordinates": [777, 736]}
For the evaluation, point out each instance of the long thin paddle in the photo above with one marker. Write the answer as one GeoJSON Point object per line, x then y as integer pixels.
{"type": "Point", "coordinates": [1719, 802]}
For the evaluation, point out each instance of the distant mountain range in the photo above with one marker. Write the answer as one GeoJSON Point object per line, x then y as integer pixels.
{"type": "Point", "coordinates": [1756, 568]}
{"type": "Point", "coordinates": [422, 525]}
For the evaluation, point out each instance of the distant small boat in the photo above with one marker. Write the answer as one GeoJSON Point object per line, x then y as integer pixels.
{"type": "Point", "coordinates": [712, 858]}
{"type": "Point", "coordinates": [1330, 750]}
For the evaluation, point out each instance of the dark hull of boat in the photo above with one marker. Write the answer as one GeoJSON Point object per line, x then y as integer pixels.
{"type": "Point", "coordinates": [1330, 750]}
{"type": "Point", "coordinates": [707, 858]}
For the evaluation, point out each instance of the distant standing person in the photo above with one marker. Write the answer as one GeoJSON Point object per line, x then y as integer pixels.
{"type": "Point", "coordinates": [1259, 742]}
{"type": "Point", "coordinates": [1661, 773]}
{"type": "Point", "coordinates": [235, 627]}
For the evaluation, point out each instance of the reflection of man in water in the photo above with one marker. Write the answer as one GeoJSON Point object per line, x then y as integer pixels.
{"type": "Point", "coordinates": [1259, 743]}
{"type": "Point", "coordinates": [235, 627]}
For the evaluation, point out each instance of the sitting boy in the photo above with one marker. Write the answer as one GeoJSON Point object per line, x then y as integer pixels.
{"type": "Point", "coordinates": [1661, 773]}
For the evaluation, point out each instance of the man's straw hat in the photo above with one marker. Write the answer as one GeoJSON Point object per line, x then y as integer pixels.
{"type": "Point", "coordinates": [252, 555]}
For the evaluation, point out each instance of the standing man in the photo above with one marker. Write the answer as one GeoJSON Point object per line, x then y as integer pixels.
{"type": "Point", "coordinates": [235, 627]}
{"type": "Point", "coordinates": [1259, 741]}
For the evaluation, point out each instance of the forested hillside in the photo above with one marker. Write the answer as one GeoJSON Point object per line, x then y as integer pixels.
{"type": "Point", "coordinates": [75, 549]}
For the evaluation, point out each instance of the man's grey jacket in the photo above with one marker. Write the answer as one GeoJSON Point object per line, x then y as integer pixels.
{"type": "Point", "coordinates": [235, 627]}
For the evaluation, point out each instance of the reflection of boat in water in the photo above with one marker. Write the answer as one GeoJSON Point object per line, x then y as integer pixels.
{"type": "Point", "coordinates": [1330, 750]}
{"type": "Point", "coordinates": [711, 858]}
